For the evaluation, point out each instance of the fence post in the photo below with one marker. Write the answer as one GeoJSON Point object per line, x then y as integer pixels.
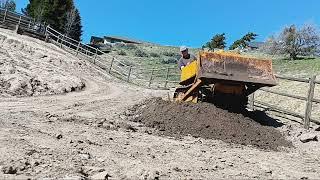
{"type": "Point", "coordinates": [96, 55]}
{"type": "Point", "coordinates": [167, 77]}
{"type": "Point", "coordinates": [29, 24]}
{"type": "Point", "coordinates": [46, 33]}
{"type": "Point", "coordinates": [58, 39]}
{"type": "Point", "coordinates": [61, 41]}
{"type": "Point", "coordinates": [19, 20]}
{"type": "Point", "coordinates": [251, 105]}
{"type": "Point", "coordinates": [309, 102]}
{"type": "Point", "coordinates": [151, 77]}
{"type": "Point", "coordinates": [129, 73]}
{"type": "Point", "coordinates": [78, 47]}
{"type": "Point", "coordinates": [110, 68]}
{"type": "Point", "coordinates": [5, 15]}
{"type": "Point", "coordinates": [47, 37]}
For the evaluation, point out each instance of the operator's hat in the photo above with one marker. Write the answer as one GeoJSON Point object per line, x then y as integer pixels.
{"type": "Point", "coordinates": [183, 48]}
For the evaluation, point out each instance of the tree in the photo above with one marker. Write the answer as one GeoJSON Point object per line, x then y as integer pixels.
{"type": "Point", "coordinates": [59, 14]}
{"type": "Point", "coordinates": [39, 11]}
{"type": "Point", "coordinates": [217, 42]}
{"type": "Point", "coordinates": [243, 42]}
{"type": "Point", "coordinates": [10, 5]}
{"type": "Point", "coordinates": [70, 21]}
{"type": "Point", "coordinates": [295, 42]}
{"type": "Point", "coordinates": [73, 27]}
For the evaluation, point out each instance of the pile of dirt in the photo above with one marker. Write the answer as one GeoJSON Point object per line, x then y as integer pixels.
{"type": "Point", "coordinates": [206, 121]}
{"type": "Point", "coordinates": [31, 70]}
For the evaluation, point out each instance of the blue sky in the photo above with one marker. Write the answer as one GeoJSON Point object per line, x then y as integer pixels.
{"type": "Point", "coordinates": [191, 22]}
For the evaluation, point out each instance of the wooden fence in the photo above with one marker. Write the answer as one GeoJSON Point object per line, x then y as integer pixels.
{"type": "Point", "coordinates": [163, 78]}
{"type": "Point", "coordinates": [151, 78]}
{"type": "Point", "coordinates": [308, 99]}
{"type": "Point", "coordinates": [11, 20]}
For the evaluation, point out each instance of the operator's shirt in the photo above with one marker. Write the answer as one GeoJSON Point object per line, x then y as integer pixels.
{"type": "Point", "coordinates": [183, 61]}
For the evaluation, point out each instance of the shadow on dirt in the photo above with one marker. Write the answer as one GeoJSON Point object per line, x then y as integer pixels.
{"type": "Point", "coordinates": [262, 118]}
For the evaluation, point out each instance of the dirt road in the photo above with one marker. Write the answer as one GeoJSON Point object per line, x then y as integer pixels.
{"type": "Point", "coordinates": [84, 134]}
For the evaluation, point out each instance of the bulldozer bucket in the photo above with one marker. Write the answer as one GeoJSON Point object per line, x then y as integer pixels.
{"type": "Point", "coordinates": [217, 67]}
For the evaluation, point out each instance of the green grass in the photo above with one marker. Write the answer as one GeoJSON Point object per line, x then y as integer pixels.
{"type": "Point", "coordinates": [303, 67]}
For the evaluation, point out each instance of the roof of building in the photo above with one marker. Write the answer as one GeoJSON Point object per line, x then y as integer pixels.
{"type": "Point", "coordinates": [96, 38]}
{"type": "Point", "coordinates": [125, 39]}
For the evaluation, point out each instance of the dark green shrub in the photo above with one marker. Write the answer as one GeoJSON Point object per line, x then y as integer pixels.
{"type": "Point", "coordinates": [169, 54]}
{"type": "Point", "coordinates": [154, 54]}
{"type": "Point", "coordinates": [122, 53]}
{"type": "Point", "coordinates": [131, 46]}
{"type": "Point", "coordinates": [169, 61]}
{"type": "Point", "coordinates": [140, 53]}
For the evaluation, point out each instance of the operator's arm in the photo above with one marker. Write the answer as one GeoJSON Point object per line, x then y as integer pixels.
{"type": "Point", "coordinates": [181, 64]}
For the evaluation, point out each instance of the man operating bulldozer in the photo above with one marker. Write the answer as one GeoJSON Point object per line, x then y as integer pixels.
{"type": "Point", "coordinates": [186, 57]}
{"type": "Point", "coordinates": [225, 79]}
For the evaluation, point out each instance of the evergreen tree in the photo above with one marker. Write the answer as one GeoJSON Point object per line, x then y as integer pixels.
{"type": "Point", "coordinates": [10, 5]}
{"type": "Point", "coordinates": [243, 42]}
{"type": "Point", "coordinates": [217, 42]}
{"type": "Point", "coordinates": [238, 43]}
{"type": "Point", "coordinates": [54, 13]}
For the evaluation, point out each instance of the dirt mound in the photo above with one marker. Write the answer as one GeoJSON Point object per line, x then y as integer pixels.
{"type": "Point", "coordinates": [28, 69]}
{"type": "Point", "coordinates": [206, 121]}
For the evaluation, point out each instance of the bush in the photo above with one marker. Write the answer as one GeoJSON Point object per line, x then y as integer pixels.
{"type": "Point", "coordinates": [177, 56]}
{"type": "Point", "coordinates": [122, 53]}
{"type": "Point", "coordinates": [169, 54]}
{"type": "Point", "coordinates": [169, 61]}
{"type": "Point", "coordinates": [154, 54]}
{"type": "Point", "coordinates": [140, 53]}
{"type": "Point", "coordinates": [131, 46]}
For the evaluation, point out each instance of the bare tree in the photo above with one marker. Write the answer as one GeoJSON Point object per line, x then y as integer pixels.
{"type": "Point", "coordinates": [71, 21]}
{"type": "Point", "coordinates": [294, 42]}
{"type": "Point", "coordinates": [309, 40]}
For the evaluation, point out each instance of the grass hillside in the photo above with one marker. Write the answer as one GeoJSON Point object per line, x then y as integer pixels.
{"type": "Point", "coordinates": [148, 56]}
{"type": "Point", "coordinates": [304, 67]}
{"type": "Point", "coordinates": [143, 58]}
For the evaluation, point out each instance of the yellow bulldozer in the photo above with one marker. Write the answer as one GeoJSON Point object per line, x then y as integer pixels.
{"type": "Point", "coordinates": [225, 79]}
